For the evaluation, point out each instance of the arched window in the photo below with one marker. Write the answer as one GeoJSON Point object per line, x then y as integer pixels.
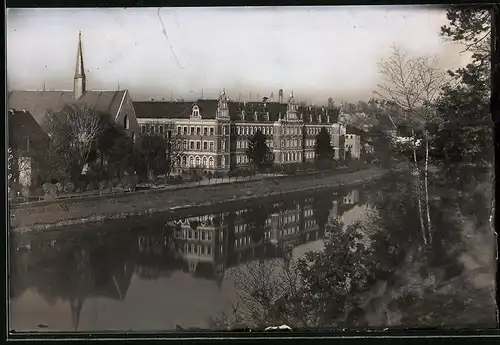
{"type": "Point", "coordinates": [197, 161]}
{"type": "Point", "coordinates": [184, 160]}
{"type": "Point", "coordinates": [191, 161]}
{"type": "Point", "coordinates": [196, 112]}
{"type": "Point", "coordinates": [211, 162]}
{"type": "Point", "coordinates": [205, 162]}
{"type": "Point", "coordinates": [223, 161]}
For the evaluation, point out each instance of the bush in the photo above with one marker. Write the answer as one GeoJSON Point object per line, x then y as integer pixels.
{"type": "Point", "coordinates": [115, 182]}
{"type": "Point", "coordinates": [69, 187]}
{"type": "Point", "coordinates": [60, 187]}
{"type": "Point", "coordinates": [119, 185]}
{"type": "Point", "coordinates": [102, 185]}
{"type": "Point", "coordinates": [25, 191]}
{"type": "Point", "coordinates": [92, 185]}
{"type": "Point", "coordinates": [130, 181]}
{"type": "Point", "coordinates": [50, 189]}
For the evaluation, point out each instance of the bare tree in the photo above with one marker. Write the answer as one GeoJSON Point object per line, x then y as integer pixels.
{"type": "Point", "coordinates": [73, 132]}
{"type": "Point", "coordinates": [268, 293]}
{"type": "Point", "coordinates": [411, 85]}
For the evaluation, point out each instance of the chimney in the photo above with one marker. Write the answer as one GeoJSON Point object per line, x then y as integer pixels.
{"type": "Point", "coordinates": [281, 96]}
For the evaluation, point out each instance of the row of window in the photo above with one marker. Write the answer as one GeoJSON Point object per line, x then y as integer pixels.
{"type": "Point", "coordinates": [309, 155]}
{"type": "Point", "coordinates": [309, 224]}
{"type": "Point", "coordinates": [195, 130]}
{"type": "Point", "coordinates": [291, 156]}
{"type": "Point", "coordinates": [242, 159]}
{"type": "Point", "coordinates": [291, 218]}
{"type": "Point", "coordinates": [243, 144]}
{"type": "Point", "coordinates": [248, 130]}
{"type": "Point", "coordinates": [196, 162]}
{"type": "Point", "coordinates": [201, 250]}
{"type": "Point", "coordinates": [155, 129]}
{"type": "Point", "coordinates": [194, 235]}
{"type": "Point", "coordinates": [291, 142]}
{"type": "Point", "coordinates": [197, 145]}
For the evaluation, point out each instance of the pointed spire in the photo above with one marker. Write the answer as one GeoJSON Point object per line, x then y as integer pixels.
{"type": "Point", "coordinates": [76, 309]}
{"type": "Point", "coordinates": [79, 79]}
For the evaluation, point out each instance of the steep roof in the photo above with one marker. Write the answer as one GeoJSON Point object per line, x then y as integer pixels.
{"type": "Point", "coordinates": [39, 102]}
{"type": "Point", "coordinates": [274, 109]}
{"type": "Point", "coordinates": [354, 130]}
{"type": "Point", "coordinates": [174, 110]}
{"type": "Point", "coordinates": [315, 111]}
{"type": "Point", "coordinates": [22, 124]}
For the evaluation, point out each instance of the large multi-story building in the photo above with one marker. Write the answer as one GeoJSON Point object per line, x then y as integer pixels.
{"type": "Point", "coordinates": [214, 134]}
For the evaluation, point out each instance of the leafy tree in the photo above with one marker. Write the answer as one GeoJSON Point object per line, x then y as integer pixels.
{"type": "Point", "coordinates": [323, 149]}
{"type": "Point", "coordinates": [114, 152]}
{"type": "Point", "coordinates": [258, 152]}
{"type": "Point", "coordinates": [255, 218]}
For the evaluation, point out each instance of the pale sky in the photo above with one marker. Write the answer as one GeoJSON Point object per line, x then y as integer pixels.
{"type": "Point", "coordinates": [318, 52]}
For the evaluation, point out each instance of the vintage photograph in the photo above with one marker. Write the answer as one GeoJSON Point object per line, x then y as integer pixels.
{"type": "Point", "coordinates": [256, 168]}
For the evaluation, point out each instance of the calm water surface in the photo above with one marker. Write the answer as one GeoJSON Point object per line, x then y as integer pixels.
{"type": "Point", "coordinates": [169, 274]}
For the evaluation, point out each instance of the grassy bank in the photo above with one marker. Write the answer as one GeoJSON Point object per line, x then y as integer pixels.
{"type": "Point", "coordinates": [46, 216]}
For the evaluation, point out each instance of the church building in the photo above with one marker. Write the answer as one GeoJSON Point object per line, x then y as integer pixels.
{"type": "Point", "coordinates": [116, 104]}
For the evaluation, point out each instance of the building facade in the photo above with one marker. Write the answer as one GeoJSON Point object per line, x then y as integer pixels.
{"type": "Point", "coordinates": [214, 134]}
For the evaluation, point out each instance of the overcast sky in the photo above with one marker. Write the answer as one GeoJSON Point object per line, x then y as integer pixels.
{"type": "Point", "coordinates": [316, 51]}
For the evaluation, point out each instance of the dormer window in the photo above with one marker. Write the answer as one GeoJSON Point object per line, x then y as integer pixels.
{"type": "Point", "coordinates": [196, 112]}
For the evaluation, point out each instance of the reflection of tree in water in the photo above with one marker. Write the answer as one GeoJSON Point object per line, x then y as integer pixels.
{"type": "Point", "coordinates": [255, 218]}
{"type": "Point", "coordinates": [391, 280]}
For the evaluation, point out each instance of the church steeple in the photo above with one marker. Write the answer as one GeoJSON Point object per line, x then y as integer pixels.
{"type": "Point", "coordinates": [76, 309]}
{"type": "Point", "coordinates": [79, 80]}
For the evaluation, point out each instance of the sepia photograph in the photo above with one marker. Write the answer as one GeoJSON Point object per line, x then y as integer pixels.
{"type": "Point", "coordinates": [250, 168]}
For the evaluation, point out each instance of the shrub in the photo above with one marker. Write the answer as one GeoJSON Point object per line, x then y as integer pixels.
{"type": "Point", "coordinates": [92, 185]}
{"type": "Point", "coordinates": [115, 182]}
{"type": "Point", "coordinates": [50, 189]}
{"type": "Point", "coordinates": [69, 187]}
{"type": "Point", "coordinates": [119, 185]}
{"type": "Point", "coordinates": [47, 187]}
{"type": "Point", "coordinates": [60, 187]}
{"type": "Point", "coordinates": [102, 185]}
{"type": "Point", "coordinates": [130, 181]}
{"type": "Point", "coordinates": [25, 191]}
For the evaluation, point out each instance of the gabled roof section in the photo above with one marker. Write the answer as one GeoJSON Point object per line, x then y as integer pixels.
{"type": "Point", "coordinates": [274, 109]}
{"type": "Point", "coordinates": [323, 112]}
{"type": "Point", "coordinates": [22, 124]}
{"type": "Point", "coordinates": [174, 110]}
{"type": "Point", "coordinates": [39, 102]}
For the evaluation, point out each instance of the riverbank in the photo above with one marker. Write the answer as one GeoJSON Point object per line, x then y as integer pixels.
{"type": "Point", "coordinates": [45, 216]}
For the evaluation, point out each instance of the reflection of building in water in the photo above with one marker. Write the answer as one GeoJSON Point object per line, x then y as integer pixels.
{"type": "Point", "coordinates": [352, 197]}
{"type": "Point", "coordinates": [74, 270]}
{"type": "Point", "coordinates": [100, 264]}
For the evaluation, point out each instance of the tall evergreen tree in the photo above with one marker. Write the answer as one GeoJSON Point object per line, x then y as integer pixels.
{"type": "Point", "coordinates": [465, 135]}
{"type": "Point", "coordinates": [323, 149]}
{"type": "Point", "coordinates": [258, 152]}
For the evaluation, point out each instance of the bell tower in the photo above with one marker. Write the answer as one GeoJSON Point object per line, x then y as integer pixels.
{"type": "Point", "coordinates": [79, 79]}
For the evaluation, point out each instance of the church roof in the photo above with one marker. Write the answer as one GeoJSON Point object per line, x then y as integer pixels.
{"type": "Point", "coordinates": [23, 125]}
{"type": "Point", "coordinates": [39, 102]}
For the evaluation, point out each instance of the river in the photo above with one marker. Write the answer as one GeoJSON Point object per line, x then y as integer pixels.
{"type": "Point", "coordinates": [168, 274]}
